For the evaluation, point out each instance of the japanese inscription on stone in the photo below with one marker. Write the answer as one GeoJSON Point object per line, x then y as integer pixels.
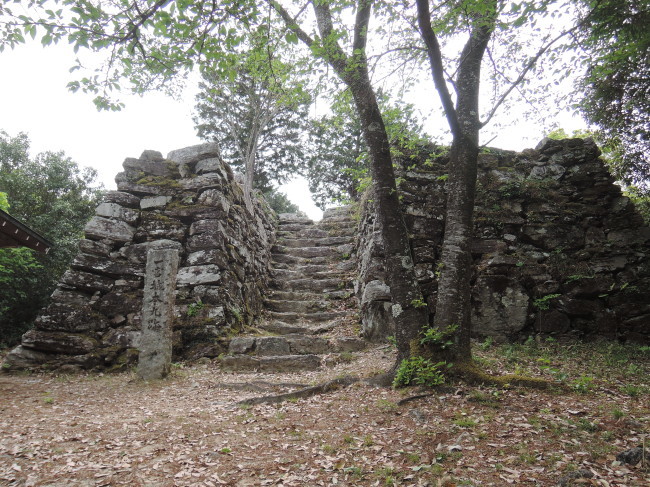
{"type": "Point", "coordinates": [157, 314]}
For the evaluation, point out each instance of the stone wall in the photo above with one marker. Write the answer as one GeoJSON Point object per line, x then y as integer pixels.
{"type": "Point", "coordinates": [558, 248]}
{"type": "Point", "coordinates": [188, 201]}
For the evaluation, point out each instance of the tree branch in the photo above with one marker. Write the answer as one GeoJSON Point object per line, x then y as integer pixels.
{"type": "Point", "coordinates": [435, 59]}
{"type": "Point", "coordinates": [522, 75]}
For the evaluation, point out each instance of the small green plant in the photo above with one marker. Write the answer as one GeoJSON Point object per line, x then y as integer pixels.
{"type": "Point", "coordinates": [418, 303]}
{"type": "Point", "coordinates": [632, 390]}
{"type": "Point", "coordinates": [544, 303]}
{"type": "Point", "coordinates": [419, 371]}
{"type": "Point", "coordinates": [618, 413]}
{"type": "Point", "coordinates": [329, 449]}
{"type": "Point", "coordinates": [443, 178]}
{"type": "Point", "coordinates": [583, 384]}
{"type": "Point", "coordinates": [464, 422]}
{"type": "Point", "coordinates": [585, 425]}
{"type": "Point", "coordinates": [194, 308]}
{"type": "Point", "coordinates": [440, 338]}
{"type": "Point", "coordinates": [347, 357]}
{"type": "Point", "coordinates": [487, 343]}
{"type": "Point", "coordinates": [353, 471]}
{"type": "Point", "coordinates": [386, 406]}
{"type": "Point", "coordinates": [225, 450]}
{"type": "Point", "coordinates": [392, 341]}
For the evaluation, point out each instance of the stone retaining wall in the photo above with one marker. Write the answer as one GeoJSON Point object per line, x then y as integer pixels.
{"type": "Point", "coordinates": [188, 201]}
{"type": "Point", "coordinates": [558, 248]}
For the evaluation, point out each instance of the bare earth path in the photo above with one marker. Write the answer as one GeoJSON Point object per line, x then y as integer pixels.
{"type": "Point", "coordinates": [113, 430]}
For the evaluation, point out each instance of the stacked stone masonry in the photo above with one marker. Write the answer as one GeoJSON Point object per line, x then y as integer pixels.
{"type": "Point", "coordinates": [189, 202]}
{"type": "Point", "coordinates": [557, 250]}
{"type": "Point", "coordinates": [310, 308]}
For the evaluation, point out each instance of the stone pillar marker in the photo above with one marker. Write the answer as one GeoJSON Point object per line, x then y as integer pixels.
{"type": "Point", "coordinates": [155, 343]}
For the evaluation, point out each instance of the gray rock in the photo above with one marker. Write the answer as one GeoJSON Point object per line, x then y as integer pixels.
{"type": "Point", "coordinates": [115, 211]}
{"type": "Point", "coordinates": [193, 154]}
{"type": "Point", "coordinates": [199, 274]}
{"type": "Point", "coordinates": [104, 228]}
{"type": "Point", "coordinates": [271, 346]}
{"type": "Point", "coordinates": [375, 291]}
{"type": "Point", "coordinates": [633, 456]}
{"type": "Point", "coordinates": [58, 342]}
{"type": "Point", "coordinates": [241, 345]}
{"type": "Point", "coordinates": [127, 200]}
{"type": "Point", "coordinates": [500, 308]}
{"type": "Point", "coordinates": [149, 202]}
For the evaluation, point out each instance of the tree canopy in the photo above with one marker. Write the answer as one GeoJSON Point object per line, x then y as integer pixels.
{"type": "Point", "coordinates": [257, 117]}
{"type": "Point", "coordinates": [55, 197]}
{"type": "Point", "coordinates": [617, 83]}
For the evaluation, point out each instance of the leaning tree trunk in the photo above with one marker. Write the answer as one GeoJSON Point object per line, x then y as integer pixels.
{"type": "Point", "coordinates": [409, 315]}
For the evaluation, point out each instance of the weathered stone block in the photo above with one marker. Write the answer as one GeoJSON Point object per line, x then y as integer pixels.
{"type": "Point", "coordinates": [193, 154]}
{"type": "Point", "coordinates": [104, 228]}
{"type": "Point", "coordinates": [127, 200]}
{"type": "Point", "coordinates": [199, 274]}
{"type": "Point", "coordinates": [87, 281]}
{"type": "Point", "coordinates": [59, 342]}
{"type": "Point", "coordinates": [150, 202]}
{"type": "Point", "coordinates": [115, 211]}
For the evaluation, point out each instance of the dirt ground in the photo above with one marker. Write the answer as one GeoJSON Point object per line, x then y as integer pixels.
{"type": "Point", "coordinates": [186, 430]}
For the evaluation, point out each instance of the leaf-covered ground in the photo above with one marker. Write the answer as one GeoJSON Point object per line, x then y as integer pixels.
{"type": "Point", "coordinates": [109, 430]}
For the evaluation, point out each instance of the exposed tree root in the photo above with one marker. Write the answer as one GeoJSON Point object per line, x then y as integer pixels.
{"type": "Point", "coordinates": [302, 393]}
{"type": "Point", "coordinates": [470, 373]}
{"type": "Point", "coordinates": [257, 386]}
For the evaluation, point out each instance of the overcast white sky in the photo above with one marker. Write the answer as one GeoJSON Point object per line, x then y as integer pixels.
{"type": "Point", "coordinates": [34, 99]}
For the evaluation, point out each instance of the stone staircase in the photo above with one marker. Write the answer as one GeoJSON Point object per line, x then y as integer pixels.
{"type": "Point", "coordinates": [310, 308]}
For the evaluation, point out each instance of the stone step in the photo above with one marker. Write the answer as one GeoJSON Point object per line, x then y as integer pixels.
{"type": "Point", "coordinates": [284, 363]}
{"type": "Point", "coordinates": [293, 344]}
{"type": "Point", "coordinates": [295, 227]}
{"type": "Point", "coordinates": [307, 296]}
{"type": "Point", "coordinates": [286, 306]}
{"type": "Point", "coordinates": [307, 232]}
{"type": "Point", "coordinates": [282, 328]}
{"type": "Point", "coordinates": [294, 218]}
{"type": "Point", "coordinates": [291, 259]}
{"type": "Point", "coordinates": [314, 242]}
{"type": "Point", "coordinates": [311, 285]}
{"type": "Point", "coordinates": [307, 266]}
{"type": "Point", "coordinates": [306, 252]}
{"type": "Point", "coordinates": [338, 211]}
{"type": "Point", "coordinates": [334, 225]}
{"type": "Point", "coordinates": [292, 275]}
{"type": "Point", "coordinates": [307, 319]}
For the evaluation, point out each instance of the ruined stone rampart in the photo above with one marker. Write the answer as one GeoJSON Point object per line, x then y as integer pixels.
{"type": "Point", "coordinates": [188, 201]}
{"type": "Point", "coordinates": [558, 248]}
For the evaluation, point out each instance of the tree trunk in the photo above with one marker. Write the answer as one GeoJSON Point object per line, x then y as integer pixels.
{"type": "Point", "coordinates": [249, 176]}
{"type": "Point", "coordinates": [410, 315]}
{"type": "Point", "coordinates": [453, 305]}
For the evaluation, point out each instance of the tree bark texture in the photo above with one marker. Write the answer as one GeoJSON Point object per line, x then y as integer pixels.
{"type": "Point", "coordinates": [453, 306]}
